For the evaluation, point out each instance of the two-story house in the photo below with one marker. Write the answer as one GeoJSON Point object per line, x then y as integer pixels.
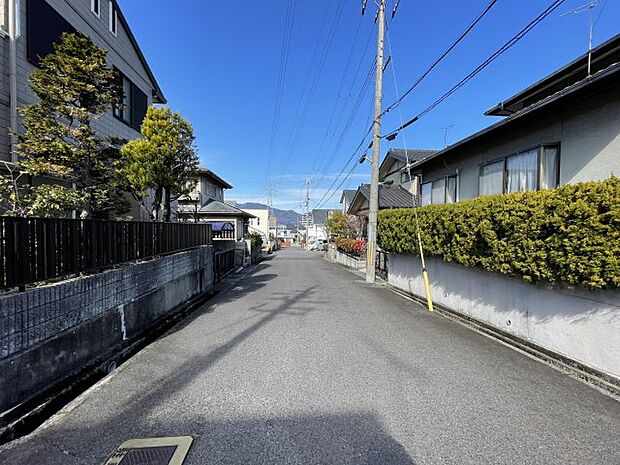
{"type": "Point", "coordinates": [206, 204]}
{"type": "Point", "coordinates": [28, 30]}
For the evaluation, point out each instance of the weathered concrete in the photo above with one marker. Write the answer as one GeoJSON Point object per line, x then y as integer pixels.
{"type": "Point", "coordinates": [302, 362]}
{"type": "Point", "coordinates": [49, 332]}
{"type": "Point", "coordinates": [579, 324]}
{"type": "Point", "coordinates": [341, 258]}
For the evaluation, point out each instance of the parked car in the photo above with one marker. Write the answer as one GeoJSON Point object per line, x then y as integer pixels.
{"type": "Point", "coordinates": [319, 245]}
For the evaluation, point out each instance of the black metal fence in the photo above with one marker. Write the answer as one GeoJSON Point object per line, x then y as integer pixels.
{"type": "Point", "coordinates": [223, 263]}
{"type": "Point", "coordinates": [381, 264]}
{"type": "Point", "coordinates": [38, 249]}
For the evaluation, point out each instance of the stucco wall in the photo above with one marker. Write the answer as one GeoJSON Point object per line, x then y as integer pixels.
{"type": "Point", "coordinates": [588, 133]}
{"type": "Point", "coordinates": [579, 324]}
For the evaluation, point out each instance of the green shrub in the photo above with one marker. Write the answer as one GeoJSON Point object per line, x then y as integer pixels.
{"type": "Point", "coordinates": [255, 239]}
{"type": "Point", "coordinates": [568, 236]}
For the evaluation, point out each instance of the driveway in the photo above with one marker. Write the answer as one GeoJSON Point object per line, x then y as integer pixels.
{"type": "Point", "coordinates": [302, 362]}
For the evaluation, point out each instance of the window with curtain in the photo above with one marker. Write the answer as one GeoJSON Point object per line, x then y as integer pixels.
{"type": "Point", "coordinates": [426, 193]}
{"type": "Point", "coordinates": [522, 172]}
{"type": "Point", "coordinates": [549, 167]}
{"type": "Point", "coordinates": [438, 193]}
{"type": "Point", "coordinates": [451, 189]}
{"type": "Point", "coordinates": [491, 179]}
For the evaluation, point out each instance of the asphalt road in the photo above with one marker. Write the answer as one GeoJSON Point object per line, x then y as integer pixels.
{"type": "Point", "coordinates": [303, 363]}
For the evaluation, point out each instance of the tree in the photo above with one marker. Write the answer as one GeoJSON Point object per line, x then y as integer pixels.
{"type": "Point", "coordinates": [342, 225]}
{"type": "Point", "coordinates": [74, 87]}
{"type": "Point", "coordinates": [160, 167]}
{"type": "Point", "coordinates": [336, 224]}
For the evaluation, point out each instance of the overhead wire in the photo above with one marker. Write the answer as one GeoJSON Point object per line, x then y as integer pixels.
{"type": "Point", "coordinates": [458, 40]}
{"type": "Point", "coordinates": [510, 43]}
{"type": "Point", "coordinates": [286, 46]}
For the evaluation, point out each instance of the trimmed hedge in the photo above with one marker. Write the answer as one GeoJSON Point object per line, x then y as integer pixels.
{"type": "Point", "coordinates": [568, 236]}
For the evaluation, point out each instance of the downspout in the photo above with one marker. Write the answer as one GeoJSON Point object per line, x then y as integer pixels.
{"type": "Point", "coordinates": [13, 36]}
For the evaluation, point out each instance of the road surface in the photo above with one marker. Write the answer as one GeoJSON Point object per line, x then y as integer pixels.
{"type": "Point", "coordinates": [302, 362]}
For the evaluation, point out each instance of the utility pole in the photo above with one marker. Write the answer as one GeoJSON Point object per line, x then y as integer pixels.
{"type": "Point", "coordinates": [307, 212]}
{"type": "Point", "coordinates": [14, 33]}
{"type": "Point", "coordinates": [376, 153]}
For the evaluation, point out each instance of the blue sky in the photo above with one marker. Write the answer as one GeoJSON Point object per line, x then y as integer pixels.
{"type": "Point", "coordinates": [218, 64]}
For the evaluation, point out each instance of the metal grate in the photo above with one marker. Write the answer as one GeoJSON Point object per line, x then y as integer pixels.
{"type": "Point", "coordinates": [149, 456]}
{"type": "Point", "coordinates": [155, 451]}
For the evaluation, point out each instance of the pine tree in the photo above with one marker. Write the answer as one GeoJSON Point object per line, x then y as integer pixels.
{"type": "Point", "coordinates": [74, 87]}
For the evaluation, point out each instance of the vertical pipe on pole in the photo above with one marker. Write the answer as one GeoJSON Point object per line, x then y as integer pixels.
{"type": "Point", "coordinates": [13, 19]}
{"type": "Point", "coordinates": [376, 140]}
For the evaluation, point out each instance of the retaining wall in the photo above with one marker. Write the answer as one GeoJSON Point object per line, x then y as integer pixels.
{"type": "Point", "coordinates": [48, 333]}
{"type": "Point", "coordinates": [350, 261]}
{"type": "Point", "coordinates": [579, 324]}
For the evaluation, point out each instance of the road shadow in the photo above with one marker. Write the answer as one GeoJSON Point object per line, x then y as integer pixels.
{"type": "Point", "coordinates": [356, 438]}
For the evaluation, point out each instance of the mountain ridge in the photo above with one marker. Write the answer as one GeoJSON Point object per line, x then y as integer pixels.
{"type": "Point", "coordinates": [286, 217]}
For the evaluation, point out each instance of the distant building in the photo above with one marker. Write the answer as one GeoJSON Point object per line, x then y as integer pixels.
{"type": "Point", "coordinates": [206, 204]}
{"type": "Point", "coordinates": [260, 221]}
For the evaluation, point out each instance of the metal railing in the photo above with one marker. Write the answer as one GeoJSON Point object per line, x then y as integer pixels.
{"type": "Point", "coordinates": [39, 249]}
{"type": "Point", "coordinates": [223, 263]}
{"type": "Point", "coordinates": [224, 234]}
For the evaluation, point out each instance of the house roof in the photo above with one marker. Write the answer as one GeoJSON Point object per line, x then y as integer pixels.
{"type": "Point", "coordinates": [204, 172]}
{"type": "Point", "coordinates": [603, 56]}
{"type": "Point", "coordinates": [347, 194]}
{"type": "Point", "coordinates": [220, 208]}
{"type": "Point", "coordinates": [158, 95]}
{"type": "Point", "coordinates": [601, 80]}
{"type": "Point", "coordinates": [402, 155]}
{"type": "Point", "coordinates": [389, 197]}
{"type": "Point", "coordinates": [319, 215]}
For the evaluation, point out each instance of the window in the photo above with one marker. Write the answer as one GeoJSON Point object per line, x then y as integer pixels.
{"type": "Point", "coordinates": [426, 193]}
{"type": "Point", "coordinates": [95, 7]}
{"type": "Point", "coordinates": [438, 192]}
{"type": "Point", "coordinates": [451, 192]}
{"type": "Point", "coordinates": [134, 105]}
{"type": "Point", "coordinates": [404, 177]}
{"type": "Point", "coordinates": [492, 178]}
{"type": "Point", "coordinates": [530, 170]}
{"type": "Point", "coordinates": [522, 172]}
{"type": "Point", "coordinates": [550, 167]}
{"type": "Point", "coordinates": [113, 18]}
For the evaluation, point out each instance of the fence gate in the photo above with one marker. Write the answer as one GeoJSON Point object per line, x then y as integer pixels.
{"type": "Point", "coordinates": [381, 264]}
{"type": "Point", "coordinates": [223, 263]}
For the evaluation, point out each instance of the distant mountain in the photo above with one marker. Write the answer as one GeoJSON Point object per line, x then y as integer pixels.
{"type": "Point", "coordinates": [287, 217]}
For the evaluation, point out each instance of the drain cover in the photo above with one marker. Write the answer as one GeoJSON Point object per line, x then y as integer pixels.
{"type": "Point", "coordinates": [153, 451]}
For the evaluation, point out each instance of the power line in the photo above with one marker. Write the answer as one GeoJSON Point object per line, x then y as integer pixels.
{"type": "Point", "coordinates": [516, 38]}
{"type": "Point", "coordinates": [294, 135]}
{"type": "Point", "coordinates": [443, 55]}
{"type": "Point", "coordinates": [286, 46]}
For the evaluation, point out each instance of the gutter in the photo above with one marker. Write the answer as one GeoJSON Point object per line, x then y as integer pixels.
{"type": "Point", "coordinates": [13, 36]}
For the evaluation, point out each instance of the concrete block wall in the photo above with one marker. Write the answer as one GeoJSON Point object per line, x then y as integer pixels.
{"type": "Point", "coordinates": [579, 324]}
{"type": "Point", "coordinates": [47, 332]}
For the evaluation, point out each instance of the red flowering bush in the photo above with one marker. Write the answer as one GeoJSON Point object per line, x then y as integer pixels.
{"type": "Point", "coordinates": [351, 246]}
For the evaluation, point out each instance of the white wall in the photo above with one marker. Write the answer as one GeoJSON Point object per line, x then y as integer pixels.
{"type": "Point", "coordinates": [260, 224]}
{"type": "Point", "coordinates": [579, 324]}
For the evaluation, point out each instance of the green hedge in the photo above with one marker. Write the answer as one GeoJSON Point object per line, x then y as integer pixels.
{"type": "Point", "coordinates": [568, 236]}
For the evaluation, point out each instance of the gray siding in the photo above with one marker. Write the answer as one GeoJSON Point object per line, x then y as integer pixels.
{"type": "Point", "coordinates": [588, 133]}
{"type": "Point", "coordinates": [121, 54]}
